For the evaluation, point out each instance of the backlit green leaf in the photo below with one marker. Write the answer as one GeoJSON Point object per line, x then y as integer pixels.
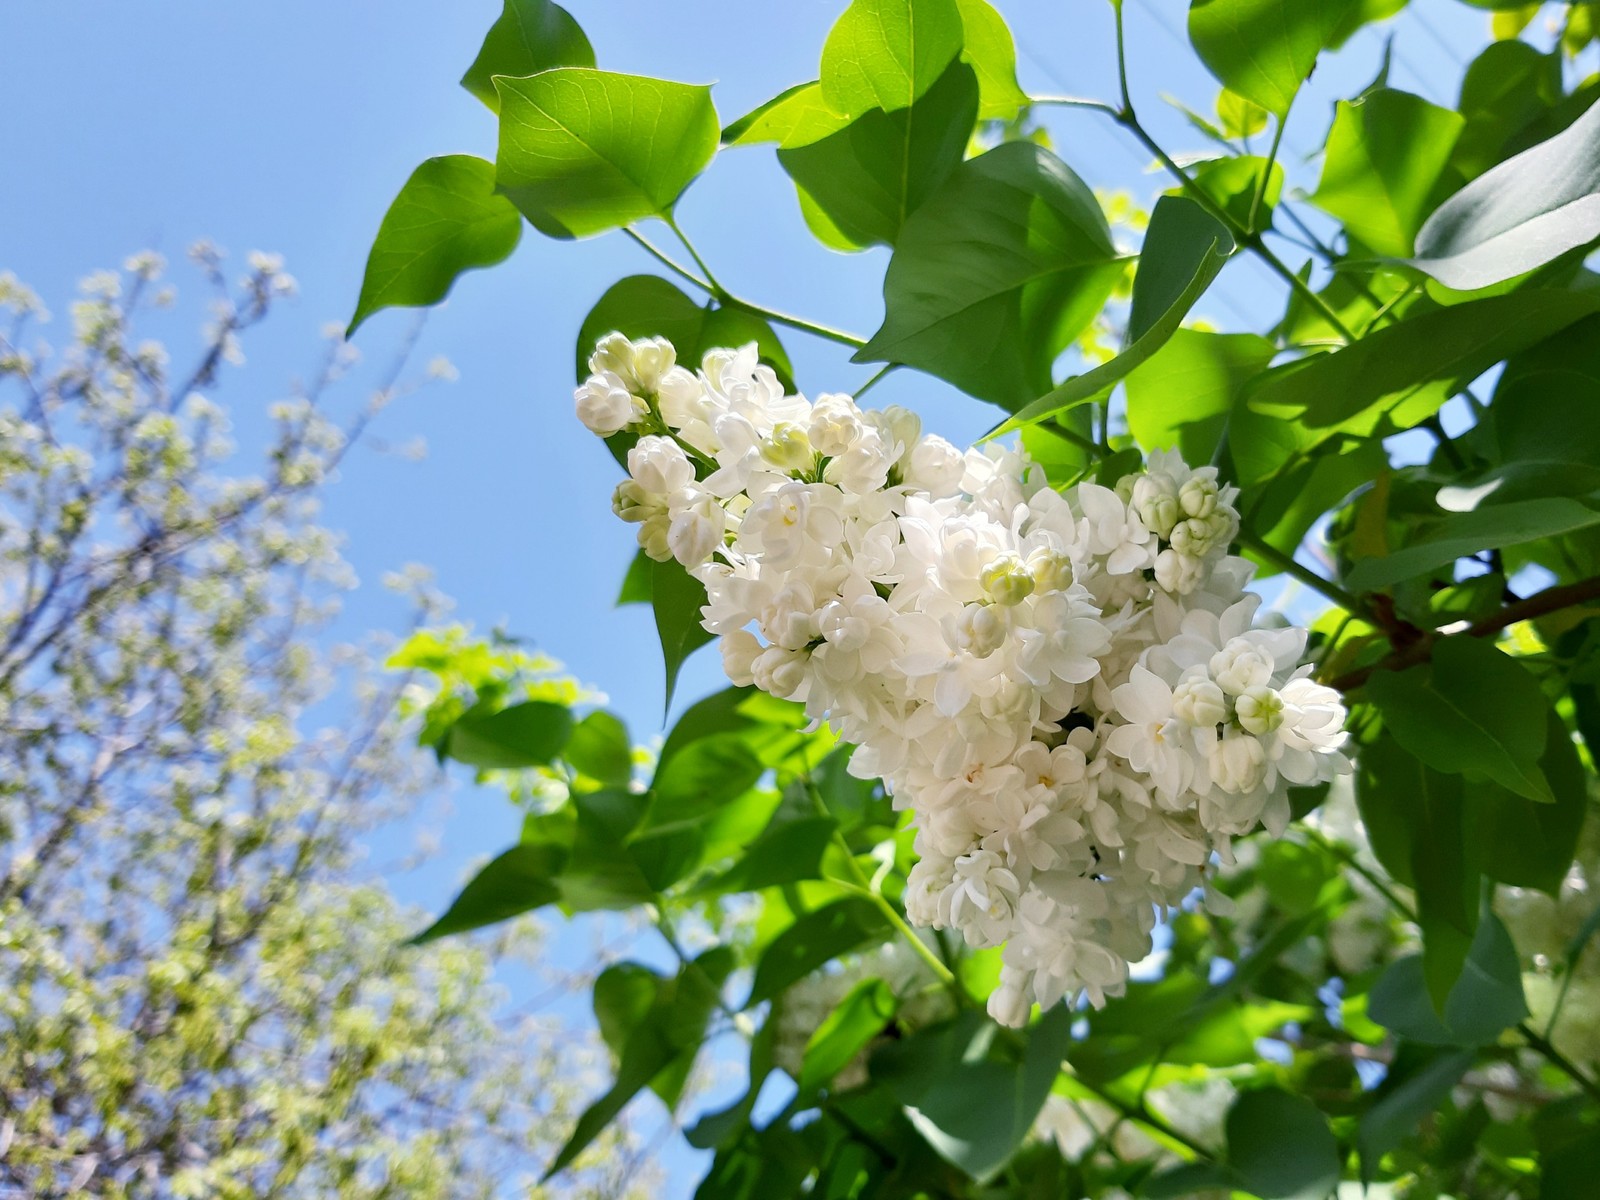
{"type": "Point", "coordinates": [1181, 397]}
{"type": "Point", "coordinates": [855, 1021]}
{"type": "Point", "coordinates": [1263, 49]}
{"type": "Point", "coordinates": [530, 734]}
{"type": "Point", "coordinates": [582, 151]}
{"type": "Point", "coordinates": [1281, 1146]}
{"type": "Point", "coordinates": [988, 46]}
{"type": "Point", "coordinates": [446, 220]}
{"type": "Point", "coordinates": [885, 54]}
{"type": "Point", "coordinates": [530, 36]}
{"type": "Point", "coordinates": [996, 274]}
{"type": "Point", "coordinates": [1385, 167]}
{"type": "Point", "coordinates": [816, 938]}
{"type": "Point", "coordinates": [520, 880]}
{"type": "Point", "coordinates": [1183, 251]}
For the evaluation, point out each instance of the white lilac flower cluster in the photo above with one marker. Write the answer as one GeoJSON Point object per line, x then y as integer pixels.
{"type": "Point", "coordinates": [1064, 687]}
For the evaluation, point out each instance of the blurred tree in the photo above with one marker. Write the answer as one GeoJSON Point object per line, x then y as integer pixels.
{"type": "Point", "coordinates": [199, 999]}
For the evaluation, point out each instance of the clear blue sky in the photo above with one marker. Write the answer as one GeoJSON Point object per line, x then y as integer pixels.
{"type": "Point", "coordinates": [289, 127]}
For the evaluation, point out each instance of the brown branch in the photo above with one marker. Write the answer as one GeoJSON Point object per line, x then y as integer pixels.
{"type": "Point", "coordinates": [1566, 595]}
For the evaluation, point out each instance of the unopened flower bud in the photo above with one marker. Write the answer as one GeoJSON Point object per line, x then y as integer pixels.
{"type": "Point", "coordinates": [788, 448]}
{"type": "Point", "coordinates": [780, 672]}
{"type": "Point", "coordinates": [979, 629]}
{"type": "Point", "coordinates": [1051, 570]}
{"type": "Point", "coordinates": [605, 406]}
{"type": "Point", "coordinates": [740, 649]}
{"type": "Point", "coordinates": [633, 504]}
{"type": "Point", "coordinates": [660, 465]}
{"type": "Point", "coordinates": [1156, 501]}
{"type": "Point", "coordinates": [1006, 580]}
{"type": "Point", "coordinates": [1260, 710]}
{"type": "Point", "coordinates": [1239, 666]}
{"type": "Point", "coordinates": [835, 425]}
{"type": "Point", "coordinates": [1198, 497]}
{"type": "Point", "coordinates": [1199, 702]}
{"type": "Point", "coordinates": [1177, 573]}
{"type": "Point", "coordinates": [1238, 764]}
{"type": "Point", "coordinates": [698, 524]}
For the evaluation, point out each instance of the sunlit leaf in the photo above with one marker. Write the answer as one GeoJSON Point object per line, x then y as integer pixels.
{"type": "Point", "coordinates": [530, 36]}
{"type": "Point", "coordinates": [447, 219]}
{"type": "Point", "coordinates": [582, 151]}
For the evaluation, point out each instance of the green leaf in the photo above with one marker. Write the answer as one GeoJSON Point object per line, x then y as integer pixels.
{"type": "Point", "coordinates": [1485, 1001]}
{"type": "Point", "coordinates": [642, 306]}
{"type": "Point", "coordinates": [520, 880]}
{"type": "Point", "coordinates": [1284, 511]}
{"type": "Point", "coordinates": [1524, 843]}
{"type": "Point", "coordinates": [677, 598]}
{"type": "Point", "coordinates": [447, 219]}
{"type": "Point", "coordinates": [1471, 711]}
{"type": "Point", "coordinates": [603, 871]}
{"type": "Point", "coordinates": [1385, 167]}
{"type": "Point", "coordinates": [530, 36]}
{"type": "Point", "coordinates": [1402, 373]}
{"type": "Point", "coordinates": [885, 54]}
{"type": "Point", "coordinates": [674, 1027]}
{"type": "Point", "coordinates": [970, 1094]}
{"type": "Point", "coordinates": [1520, 214]}
{"type": "Point", "coordinates": [708, 774]}
{"type": "Point", "coordinates": [787, 852]}
{"type": "Point", "coordinates": [1188, 1180]}
{"type": "Point", "coordinates": [1231, 184]}
{"type": "Point", "coordinates": [1416, 821]}
{"type": "Point", "coordinates": [1416, 1085]}
{"type": "Point", "coordinates": [989, 47]}
{"type": "Point", "coordinates": [996, 274]}
{"type": "Point", "coordinates": [625, 996]}
{"type": "Point", "coordinates": [1239, 117]}
{"type": "Point", "coordinates": [1281, 1146]}
{"type": "Point", "coordinates": [861, 1016]}
{"type": "Point", "coordinates": [1488, 527]}
{"type": "Point", "coordinates": [814, 939]}
{"type": "Point", "coordinates": [530, 734]}
{"type": "Point", "coordinates": [1183, 251]}
{"type": "Point", "coordinates": [860, 180]}
{"type": "Point", "coordinates": [1180, 399]}
{"type": "Point", "coordinates": [1263, 49]}
{"type": "Point", "coordinates": [1506, 88]}
{"type": "Point", "coordinates": [601, 749]}
{"type": "Point", "coordinates": [582, 151]}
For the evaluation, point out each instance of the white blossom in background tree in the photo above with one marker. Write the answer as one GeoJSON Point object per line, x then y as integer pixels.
{"type": "Point", "coordinates": [201, 997]}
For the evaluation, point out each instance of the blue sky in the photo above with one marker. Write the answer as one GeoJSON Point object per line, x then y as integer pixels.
{"type": "Point", "coordinates": [290, 126]}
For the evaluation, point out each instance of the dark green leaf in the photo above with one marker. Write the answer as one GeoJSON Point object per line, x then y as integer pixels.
{"type": "Point", "coordinates": [814, 939]}
{"type": "Point", "coordinates": [971, 1096]}
{"type": "Point", "coordinates": [1471, 711]}
{"type": "Point", "coordinates": [447, 219]}
{"type": "Point", "coordinates": [860, 181]}
{"type": "Point", "coordinates": [1263, 49]}
{"type": "Point", "coordinates": [1281, 1146]}
{"type": "Point", "coordinates": [1401, 374]}
{"type": "Point", "coordinates": [1520, 214]}
{"type": "Point", "coordinates": [1487, 527]}
{"type": "Point", "coordinates": [1485, 1001]}
{"type": "Point", "coordinates": [1190, 1179]}
{"type": "Point", "coordinates": [1417, 1083]}
{"type": "Point", "coordinates": [601, 749]}
{"type": "Point", "coordinates": [520, 880]}
{"type": "Point", "coordinates": [677, 598]}
{"type": "Point", "coordinates": [674, 1027]}
{"type": "Point", "coordinates": [786, 853]}
{"type": "Point", "coordinates": [1183, 251]}
{"type": "Point", "coordinates": [1181, 397]}
{"type": "Point", "coordinates": [1384, 169]}
{"type": "Point", "coordinates": [583, 151]}
{"type": "Point", "coordinates": [1524, 843]}
{"type": "Point", "coordinates": [603, 872]}
{"type": "Point", "coordinates": [642, 306]}
{"type": "Point", "coordinates": [530, 36]}
{"type": "Point", "coordinates": [996, 274]}
{"type": "Point", "coordinates": [531, 734]}
{"type": "Point", "coordinates": [706, 775]}
{"type": "Point", "coordinates": [1506, 88]}
{"type": "Point", "coordinates": [861, 1016]}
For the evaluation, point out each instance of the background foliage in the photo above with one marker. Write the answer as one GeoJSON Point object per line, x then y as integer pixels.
{"type": "Point", "coordinates": [203, 997]}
